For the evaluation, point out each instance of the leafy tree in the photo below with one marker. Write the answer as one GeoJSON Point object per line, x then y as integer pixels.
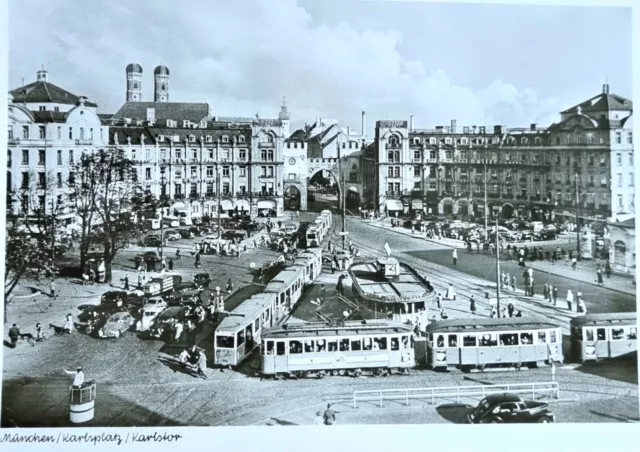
{"type": "Point", "coordinates": [103, 185]}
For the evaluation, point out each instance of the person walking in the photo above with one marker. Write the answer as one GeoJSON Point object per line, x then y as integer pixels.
{"type": "Point", "coordinates": [14, 335]}
{"type": "Point", "coordinates": [202, 365]}
{"type": "Point", "coordinates": [52, 287]}
{"type": "Point", "coordinates": [513, 283]}
{"type": "Point", "coordinates": [555, 295]}
{"type": "Point", "coordinates": [472, 305]}
{"type": "Point", "coordinates": [333, 267]}
{"type": "Point", "coordinates": [126, 281]}
{"type": "Point", "coordinates": [439, 301]}
{"type": "Point", "coordinates": [67, 327]}
{"type": "Point", "coordinates": [451, 293]}
{"type": "Point", "coordinates": [569, 300]}
{"type": "Point", "coordinates": [600, 279]}
{"type": "Point", "coordinates": [546, 291]}
{"type": "Point", "coordinates": [455, 257]}
{"type": "Point", "coordinates": [574, 263]}
{"type": "Point", "coordinates": [229, 286]}
{"type": "Point", "coordinates": [581, 307]}
{"type": "Point", "coordinates": [329, 416]}
{"type": "Point", "coordinates": [607, 269]}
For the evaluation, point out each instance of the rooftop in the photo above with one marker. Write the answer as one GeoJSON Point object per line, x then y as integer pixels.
{"type": "Point", "coordinates": [474, 325]}
{"type": "Point", "coordinates": [368, 327]}
{"type": "Point", "coordinates": [602, 102]}
{"type": "Point", "coordinates": [408, 286]}
{"type": "Point", "coordinates": [178, 111]}
{"type": "Point", "coordinates": [45, 92]}
{"type": "Point", "coordinates": [606, 319]}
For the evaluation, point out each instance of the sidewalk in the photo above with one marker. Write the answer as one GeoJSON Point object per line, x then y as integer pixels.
{"type": "Point", "coordinates": [382, 224]}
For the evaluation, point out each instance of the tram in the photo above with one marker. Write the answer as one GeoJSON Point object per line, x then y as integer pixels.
{"type": "Point", "coordinates": [601, 336]}
{"type": "Point", "coordinates": [328, 217]}
{"type": "Point", "coordinates": [482, 342]}
{"type": "Point", "coordinates": [311, 262]}
{"type": "Point", "coordinates": [353, 348]}
{"type": "Point", "coordinates": [314, 237]}
{"type": "Point", "coordinates": [239, 332]}
{"type": "Point", "coordinates": [287, 286]}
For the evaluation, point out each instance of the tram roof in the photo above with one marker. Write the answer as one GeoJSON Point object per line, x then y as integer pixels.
{"type": "Point", "coordinates": [488, 324]}
{"type": "Point", "coordinates": [284, 278]}
{"type": "Point", "coordinates": [245, 313]}
{"type": "Point", "coordinates": [407, 287]}
{"type": "Point", "coordinates": [605, 319]}
{"type": "Point", "coordinates": [311, 330]}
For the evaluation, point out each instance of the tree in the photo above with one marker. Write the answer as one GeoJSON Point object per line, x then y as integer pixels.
{"type": "Point", "coordinates": [24, 259]}
{"type": "Point", "coordinates": [103, 183]}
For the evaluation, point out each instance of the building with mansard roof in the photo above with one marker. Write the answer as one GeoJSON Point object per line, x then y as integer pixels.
{"type": "Point", "coordinates": [48, 128]}
{"type": "Point", "coordinates": [583, 164]}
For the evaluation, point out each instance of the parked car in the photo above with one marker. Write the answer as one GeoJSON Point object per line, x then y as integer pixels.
{"type": "Point", "coordinates": [151, 309]}
{"type": "Point", "coordinates": [202, 280]}
{"type": "Point", "coordinates": [117, 324]}
{"type": "Point", "coordinates": [510, 408]}
{"type": "Point", "coordinates": [94, 316]}
{"type": "Point", "coordinates": [154, 303]}
{"type": "Point", "coordinates": [152, 240]}
{"type": "Point", "coordinates": [172, 236]}
{"type": "Point", "coordinates": [234, 233]}
{"type": "Point", "coordinates": [197, 232]}
{"type": "Point", "coordinates": [547, 234]}
{"type": "Point", "coordinates": [185, 221]}
{"type": "Point", "coordinates": [185, 233]}
{"type": "Point", "coordinates": [116, 299]}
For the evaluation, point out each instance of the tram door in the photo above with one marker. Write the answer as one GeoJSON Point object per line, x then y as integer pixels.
{"type": "Point", "coordinates": [589, 344]}
{"type": "Point", "coordinates": [440, 351]}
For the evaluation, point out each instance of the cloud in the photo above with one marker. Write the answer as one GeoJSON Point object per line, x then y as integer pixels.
{"type": "Point", "coordinates": [242, 57]}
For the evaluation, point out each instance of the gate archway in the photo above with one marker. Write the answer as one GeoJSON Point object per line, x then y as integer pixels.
{"type": "Point", "coordinates": [324, 191]}
{"type": "Point", "coordinates": [292, 198]}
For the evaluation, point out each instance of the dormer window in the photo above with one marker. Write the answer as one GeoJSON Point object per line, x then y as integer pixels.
{"type": "Point", "coordinates": [447, 140]}
{"type": "Point", "coordinates": [537, 140]}
{"type": "Point", "coordinates": [208, 139]}
{"type": "Point", "coordinates": [42, 108]}
{"type": "Point", "coordinates": [192, 138]}
{"type": "Point", "coordinates": [203, 124]}
{"type": "Point", "coordinates": [432, 140]}
{"type": "Point", "coordinates": [524, 140]}
{"type": "Point", "coordinates": [241, 139]}
{"type": "Point", "coordinates": [464, 141]}
{"type": "Point", "coordinates": [415, 141]}
{"type": "Point", "coordinates": [225, 139]}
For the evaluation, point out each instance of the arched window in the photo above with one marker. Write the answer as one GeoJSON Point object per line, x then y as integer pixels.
{"type": "Point", "coordinates": [163, 87]}
{"type": "Point", "coordinates": [135, 85]}
{"type": "Point", "coordinates": [619, 254]}
{"type": "Point", "coordinates": [393, 141]}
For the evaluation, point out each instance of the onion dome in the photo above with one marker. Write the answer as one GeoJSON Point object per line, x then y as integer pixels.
{"type": "Point", "coordinates": [134, 67]}
{"type": "Point", "coordinates": [161, 70]}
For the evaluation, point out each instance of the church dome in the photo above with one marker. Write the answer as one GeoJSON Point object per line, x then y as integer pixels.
{"type": "Point", "coordinates": [134, 67]}
{"type": "Point", "coordinates": [161, 70]}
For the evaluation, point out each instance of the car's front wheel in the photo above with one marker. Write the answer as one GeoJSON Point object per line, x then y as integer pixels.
{"type": "Point", "coordinates": [117, 334]}
{"type": "Point", "coordinates": [544, 420]}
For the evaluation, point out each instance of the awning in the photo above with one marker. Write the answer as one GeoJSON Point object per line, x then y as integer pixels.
{"type": "Point", "coordinates": [242, 205]}
{"type": "Point", "coordinates": [267, 205]}
{"type": "Point", "coordinates": [416, 204]}
{"type": "Point", "coordinates": [353, 189]}
{"type": "Point", "coordinates": [393, 204]}
{"type": "Point", "coordinates": [226, 204]}
{"type": "Point", "coordinates": [179, 205]}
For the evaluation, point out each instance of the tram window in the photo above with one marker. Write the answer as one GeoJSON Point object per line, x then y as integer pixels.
{"type": "Point", "coordinates": [469, 341]}
{"type": "Point", "coordinates": [240, 337]}
{"type": "Point", "coordinates": [542, 337]}
{"type": "Point", "coordinates": [380, 342]}
{"type": "Point", "coordinates": [281, 298]}
{"type": "Point", "coordinates": [453, 340]}
{"type": "Point", "coordinates": [321, 345]}
{"type": "Point", "coordinates": [617, 334]}
{"type": "Point", "coordinates": [440, 341]}
{"type": "Point", "coordinates": [509, 339]}
{"type": "Point", "coordinates": [224, 341]}
{"type": "Point", "coordinates": [489, 340]}
{"type": "Point", "coordinates": [344, 345]}
{"type": "Point", "coordinates": [356, 345]}
{"type": "Point", "coordinates": [633, 333]}
{"type": "Point", "coordinates": [553, 337]}
{"type": "Point", "coordinates": [280, 348]}
{"type": "Point", "coordinates": [418, 306]}
{"type": "Point", "coordinates": [429, 340]}
{"type": "Point", "coordinates": [602, 334]}
{"type": "Point", "coordinates": [589, 335]}
{"type": "Point", "coordinates": [309, 346]}
{"type": "Point", "coordinates": [367, 343]}
{"type": "Point", "coordinates": [295, 347]}
{"type": "Point", "coordinates": [269, 347]}
{"type": "Point", "coordinates": [526, 338]}
{"type": "Point", "coordinates": [256, 325]}
{"type": "Point", "coordinates": [405, 342]}
{"type": "Point", "coordinates": [395, 343]}
{"type": "Point", "coordinates": [332, 346]}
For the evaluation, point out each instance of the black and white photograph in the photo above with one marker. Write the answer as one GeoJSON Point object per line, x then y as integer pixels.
{"type": "Point", "coordinates": [318, 212]}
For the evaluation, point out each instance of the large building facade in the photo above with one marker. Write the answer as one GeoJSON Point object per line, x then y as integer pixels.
{"type": "Point", "coordinates": [48, 129]}
{"type": "Point", "coordinates": [583, 162]}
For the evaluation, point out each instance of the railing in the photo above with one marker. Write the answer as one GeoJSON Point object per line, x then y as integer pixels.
{"type": "Point", "coordinates": [456, 392]}
{"type": "Point", "coordinates": [14, 140]}
{"type": "Point", "coordinates": [86, 141]}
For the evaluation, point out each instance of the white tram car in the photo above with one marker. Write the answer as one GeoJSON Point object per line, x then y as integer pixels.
{"type": "Point", "coordinates": [312, 349]}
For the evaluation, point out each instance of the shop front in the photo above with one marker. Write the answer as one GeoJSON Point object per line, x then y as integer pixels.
{"type": "Point", "coordinates": [267, 209]}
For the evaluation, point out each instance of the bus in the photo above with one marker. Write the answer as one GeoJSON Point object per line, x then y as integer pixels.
{"type": "Point", "coordinates": [601, 336]}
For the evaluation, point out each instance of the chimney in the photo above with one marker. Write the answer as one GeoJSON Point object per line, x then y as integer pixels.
{"type": "Point", "coordinates": [453, 125]}
{"type": "Point", "coordinates": [364, 132]}
{"type": "Point", "coordinates": [411, 123]}
{"type": "Point", "coordinates": [497, 130]}
{"type": "Point", "coordinates": [534, 126]}
{"type": "Point", "coordinates": [439, 129]}
{"type": "Point", "coordinates": [42, 75]}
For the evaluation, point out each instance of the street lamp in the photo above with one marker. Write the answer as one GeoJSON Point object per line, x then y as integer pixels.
{"type": "Point", "coordinates": [578, 215]}
{"type": "Point", "coordinates": [162, 201]}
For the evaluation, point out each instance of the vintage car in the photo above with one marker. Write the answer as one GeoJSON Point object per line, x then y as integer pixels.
{"type": "Point", "coordinates": [162, 326]}
{"type": "Point", "coordinates": [510, 408]}
{"type": "Point", "coordinates": [202, 279]}
{"type": "Point", "coordinates": [172, 236]}
{"type": "Point", "coordinates": [117, 324]}
{"type": "Point", "coordinates": [150, 312]}
{"type": "Point", "coordinates": [152, 241]}
{"type": "Point", "coordinates": [154, 303]}
{"type": "Point", "coordinates": [116, 299]}
{"type": "Point", "coordinates": [92, 317]}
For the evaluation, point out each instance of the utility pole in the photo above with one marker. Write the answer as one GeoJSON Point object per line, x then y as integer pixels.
{"type": "Point", "coordinates": [344, 196]}
{"type": "Point", "coordinates": [219, 203]}
{"type": "Point", "coordinates": [578, 217]}
{"type": "Point", "coordinates": [497, 269]}
{"type": "Point", "coordinates": [162, 201]}
{"type": "Point", "coordinates": [486, 206]}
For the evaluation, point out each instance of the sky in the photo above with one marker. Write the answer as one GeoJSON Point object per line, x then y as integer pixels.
{"type": "Point", "coordinates": [480, 64]}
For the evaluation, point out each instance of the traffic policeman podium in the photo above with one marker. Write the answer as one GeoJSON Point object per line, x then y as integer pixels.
{"type": "Point", "coordinates": [82, 396]}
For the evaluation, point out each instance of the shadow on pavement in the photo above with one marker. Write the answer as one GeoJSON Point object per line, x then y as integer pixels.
{"type": "Point", "coordinates": [618, 418]}
{"type": "Point", "coordinates": [44, 402]}
{"type": "Point", "coordinates": [623, 369]}
{"type": "Point", "coordinates": [273, 422]}
{"type": "Point", "coordinates": [455, 413]}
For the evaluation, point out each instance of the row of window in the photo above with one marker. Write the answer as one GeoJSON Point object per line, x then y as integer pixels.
{"type": "Point", "coordinates": [600, 334]}
{"type": "Point", "coordinates": [293, 346]}
{"type": "Point", "coordinates": [42, 157]}
{"type": "Point", "coordinates": [42, 133]}
{"type": "Point", "coordinates": [266, 155]}
{"type": "Point", "coordinates": [266, 188]}
{"type": "Point", "coordinates": [208, 138]}
{"type": "Point", "coordinates": [493, 339]}
{"type": "Point", "coordinates": [265, 171]}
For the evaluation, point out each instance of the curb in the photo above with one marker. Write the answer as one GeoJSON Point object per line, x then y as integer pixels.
{"type": "Point", "coordinates": [379, 226]}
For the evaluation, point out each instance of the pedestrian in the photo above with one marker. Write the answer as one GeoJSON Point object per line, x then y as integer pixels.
{"type": "Point", "coordinates": [581, 307]}
{"type": "Point", "coordinates": [14, 335]}
{"type": "Point", "coordinates": [126, 281]}
{"type": "Point", "coordinates": [178, 331]}
{"type": "Point", "coordinates": [550, 294]}
{"type": "Point", "coordinates": [170, 264]}
{"type": "Point", "coordinates": [546, 291]}
{"type": "Point", "coordinates": [451, 293]}
{"type": "Point", "coordinates": [513, 283]}
{"type": "Point", "coordinates": [197, 262]}
{"type": "Point", "coordinates": [78, 377]}
{"type": "Point", "coordinates": [511, 309]}
{"type": "Point", "coordinates": [329, 416]}
{"type": "Point", "coordinates": [67, 327]}
{"type": "Point", "coordinates": [177, 254]}
{"type": "Point", "coordinates": [202, 365]}
{"type": "Point", "coordinates": [574, 262]}
{"type": "Point", "coordinates": [438, 301]}
{"type": "Point", "coordinates": [92, 276]}
{"type": "Point", "coordinates": [600, 280]}
{"type": "Point", "coordinates": [443, 314]}
{"type": "Point", "coordinates": [607, 269]}
{"type": "Point", "coordinates": [52, 286]}
{"type": "Point", "coordinates": [569, 300]}
{"type": "Point", "coordinates": [455, 256]}
{"type": "Point", "coordinates": [333, 267]}
{"type": "Point", "coordinates": [555, 295]}
{"type": "Point", "coordinates": [229, 286]}
{"type": "Point", "coordinates": [183, 358]}
{"type": "Point", "coordinates": [472, 305]}
{"type": "Point", "coordinates": [318, 420]}
{"type": "Point", "coordinates": [139, 281]}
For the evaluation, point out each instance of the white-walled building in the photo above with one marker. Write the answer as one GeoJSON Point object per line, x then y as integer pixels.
{"type": "Point", "coordinates": [48, 129]}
